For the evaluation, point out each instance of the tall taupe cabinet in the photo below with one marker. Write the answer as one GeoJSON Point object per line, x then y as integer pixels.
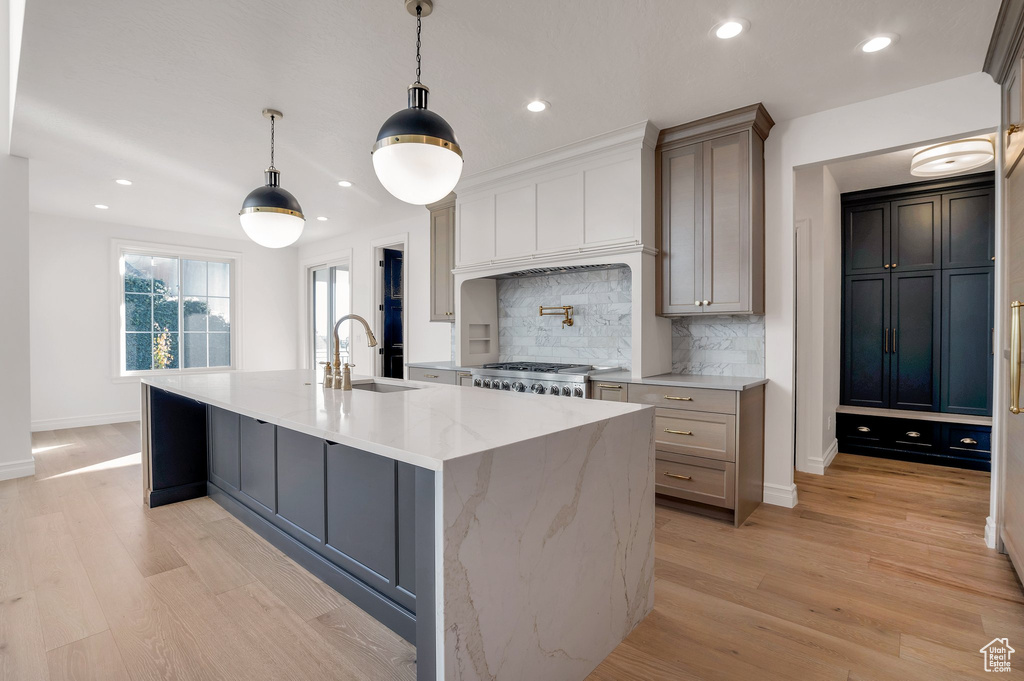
{"type": "Point", "coordinates": [709, 214]}
{"type": "Point", "coordinates": [442, 259]}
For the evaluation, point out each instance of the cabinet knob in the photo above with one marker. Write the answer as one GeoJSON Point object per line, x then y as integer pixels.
{"type": "Point", "coordinates": [863, 429]}
{"type": "Point", "coordinates": [894, 265]}
{"type": "Point", "coordinates": [706, 303]}
{"type": "Point", "coordinates": [697, 303]}
{"type": "Point", "coordinates": [913, 433]}
{"type": "Point", "coordinates": [886, 265]}
{"type": "Point", "coordinates": [969, 441]}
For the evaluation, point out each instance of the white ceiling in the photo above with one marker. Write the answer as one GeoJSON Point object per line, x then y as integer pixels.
{"type": "Point", "coordinates": [883, 170]}
{"type": "Point", "coordinates": [169, 94]}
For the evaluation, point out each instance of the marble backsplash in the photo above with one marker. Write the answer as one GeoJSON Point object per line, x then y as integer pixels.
{"type": "Point", "coordinates": [718, 345]}
{"type": "Point", "coordinates": [602, 311]}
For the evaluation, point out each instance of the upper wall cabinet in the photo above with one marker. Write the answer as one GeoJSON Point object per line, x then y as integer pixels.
{"type": "Point", "coordinates": [585, 197]}
{"type": "Point", "coordinates": [442, 260]}
{"type": "Point", "coordinates": [709, 214]}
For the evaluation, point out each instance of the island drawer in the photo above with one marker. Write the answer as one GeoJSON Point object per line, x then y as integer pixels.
{"type": "Point", "coordinates": [690, 399]}
{"type": "Point", "coordinates": [708, 435]}
{"type": "Point", "coordinates": [695, 479]}
{"type": "Point", "coordinates": [444, 376]}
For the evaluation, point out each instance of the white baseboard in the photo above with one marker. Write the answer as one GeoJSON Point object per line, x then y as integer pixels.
{"type": "Point", "coordinates": [18, 469]}
{"type": "Point", "coordinates": [780, 495]}
{"type": "Point", "coordinates": [990, 533]}
{"type": "Point", "coordinates": [818, 466]}
{"type": "Point", "coordinates": [83, 421]}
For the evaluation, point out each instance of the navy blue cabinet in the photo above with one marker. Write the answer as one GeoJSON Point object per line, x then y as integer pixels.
{"type": "Point", "coordinates": [300, 483]}
{"type": "Point", "coordinates": [914, 340]}
{"type": "Point", "coordinates": [866, 340]}
{"type": "Point", "coordinates": [866, 238]}
{"type": "Point", "coordinates": [967, 328]}
{"type": "Point", "coordinates": [224, 447]}
{"type": "Point", "coordinates": [258, 462]}
{"type": "Point", "coordinates": [916, 234]}
{"type": "Point", "coordinates": [968, 228]}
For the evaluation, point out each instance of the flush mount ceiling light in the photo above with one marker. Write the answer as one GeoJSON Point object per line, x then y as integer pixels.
{"type": "Point", "coordinates": [730, 28]}
{"type": "Point", "coordinates": [124, 183]}
{"type": "Point", "coordinates": [344, 183]}
{"type": "Point", "coordinates": [538, 105]}
{"type": "Point", "coordinates": [416, 156]}
{"type": "Point", "coordinates": [952, 157]}
{"type": "Point", "coordinates": [270, 215]}
{"type": "Point", "coordinates": [878, 42]}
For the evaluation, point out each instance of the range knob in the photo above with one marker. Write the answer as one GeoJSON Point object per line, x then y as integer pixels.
{"type": "Point", "coordinates": [505, 385]}
{"type": "Point", "coordinates": [487, 383]}
{"type": "Point", "coordinates": [537, 388]}
{"type": "Point", "coordinates": [566, 391]}
{"type": "Point", "coordinates": [577, 391]}
{"type": "Point", "coordinates": [554, 391]}
{"type": "Point", "coordinates": [477, 383]}
{"type": "Point", "coordinates": [519, 387]}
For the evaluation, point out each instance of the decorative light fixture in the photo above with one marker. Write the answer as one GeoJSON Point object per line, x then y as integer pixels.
{"type": "Point", "coordinates": [538, 105]}
{"type": "Point", "coordinates": [878, 43]}
{"type": "Point", "coordinates": [952, 157]}
{"type": "Point", "coordinates": [270, 215]}
{"type": "Point", "coordinates": [416, 156]}
{"type": "Point", "coordinates": [730, 28]}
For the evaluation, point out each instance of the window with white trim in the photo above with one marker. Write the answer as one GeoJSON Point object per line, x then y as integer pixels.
{"type": "Point", "coordinates": [177, 312]}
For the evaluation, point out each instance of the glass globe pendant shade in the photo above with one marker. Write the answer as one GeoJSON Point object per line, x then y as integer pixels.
{"type": "Point", "coordinates": [416, 157]}
{"type": "Point", "coordinates": [270, 215]}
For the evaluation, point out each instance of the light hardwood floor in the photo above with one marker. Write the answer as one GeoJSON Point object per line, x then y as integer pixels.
{"type": "Point", "coordinates": [880, 573]}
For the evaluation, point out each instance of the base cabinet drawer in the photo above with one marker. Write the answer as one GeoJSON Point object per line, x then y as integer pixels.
{"type": "Point", "coordinates": [609, 392]}
{"type": "Point", "coordinates": [712, 436]}
{"type": "Point", "coordinates": [908, 439]}
{"type": "Point", "coordinates": [696, 479]}
{"type": "Point", "coordinates": [445, 376]}
{"type": "Point", "coordinates": [690, 399]}
{"type": "Point", "coordinates": [969, 441]}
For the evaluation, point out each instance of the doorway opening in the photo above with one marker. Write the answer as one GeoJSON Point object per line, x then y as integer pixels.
{"type": "Point", "coordinates": [330, 296]}
{"type": "Point", "coordinates": [389, 303]}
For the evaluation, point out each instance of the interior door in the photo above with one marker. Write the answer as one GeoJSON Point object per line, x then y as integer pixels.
{"type": "Point", "coordinates": [392, 345]}
{"type": "Point", "coordinates": [1013, 453]}
{"type": "Point", "coordinates": [867, 340]}
{"type": "Point", "coordinates": [914, 340]}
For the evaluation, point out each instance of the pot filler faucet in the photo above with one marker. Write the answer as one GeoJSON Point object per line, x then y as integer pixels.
{"type": "Point", "coordinates": [341, 377]}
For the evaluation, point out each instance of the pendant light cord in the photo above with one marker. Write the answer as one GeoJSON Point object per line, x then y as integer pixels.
{"type": "Point", "coordinates": [272, 119]}
{"type": "Point", "coordinates": [419, 28]}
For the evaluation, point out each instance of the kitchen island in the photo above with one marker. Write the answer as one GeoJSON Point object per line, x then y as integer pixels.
{"type": "Point", "coordinates": [506, 536]}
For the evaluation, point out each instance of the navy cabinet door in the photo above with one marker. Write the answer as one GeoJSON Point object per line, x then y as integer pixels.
{"type": "Point", "coordinates": [916, 233]}
{"type": "Point", "coordinates": [300, 482]}
{"type": "Point", "coordinates": [866, 238]}
{"type": "Point", "coordinates": [968, 228]}
{"type": "Point", "coordinates": [223, 448]}
{"type": "Point", "coordinates": [866, 340]}
{"type": "Point", "coordinates": [914, 344]}
{"type": "Point", "coordinates": [967, 341]}
{"type": "Point", "coordinates": [258, 463]}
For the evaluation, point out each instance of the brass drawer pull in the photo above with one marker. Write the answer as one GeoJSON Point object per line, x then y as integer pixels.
{"type": "Point", "coordinates": [679, 432]}
{"type": "Point", "coordinates": [863, 429]}
{"type": "Point", "coordinates": [913, 433]}
{"type": "Point", "coordinates": [429, 375]}
{"type": "Point", "coordinates": [680, 399]}
{"type": "Point", "coordinates": [608, 386]}
{"type": "Point", "coordinates": [677, 476]}
{"type": "Point", "coordinates": [968, 441]}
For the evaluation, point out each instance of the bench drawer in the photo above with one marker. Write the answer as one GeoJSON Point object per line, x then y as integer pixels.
{"type": "Point", "coordinates": [708, 435]}
{"type": "Point", "coordinates": [690, 399]}
{"type": "Point", "coordinates": [696, 479]}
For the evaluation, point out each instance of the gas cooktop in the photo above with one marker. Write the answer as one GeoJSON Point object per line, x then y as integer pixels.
{"type": "Point", "coordinates": [542, 367]}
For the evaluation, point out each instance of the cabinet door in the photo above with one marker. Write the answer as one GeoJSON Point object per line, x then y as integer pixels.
{"type": "Point", "coordinates": [465, 379]}
{"type": "Point", "coordinates": [916, 234]}
{"type": "Point", "coordinates": [224, 444]}
{"type": "Point", "coordinates": [866, 340]}
{"type": "Point", "coordinates": [967, 323]}
{"type": "Point", "coordinates": [443, 376]}
{"type": "Point", "coordinates": [609, 392]}
{"type": "Point", "coordinates": [300, 481]}
{"type": "Point", "coordinates": [258, 462]}
{"type": "Point", "coordinates": [866, 238]}
{"type": "Point", "coordinates": [442, 260]}
{"type": "Point", "coordinates": [682, 235]}
{"type": "Point", "coordinates": [968, 228]}
{"type": "Point", "coordinates": [727, 228]}
{"type": "Point", "coordinates": [914, 346]}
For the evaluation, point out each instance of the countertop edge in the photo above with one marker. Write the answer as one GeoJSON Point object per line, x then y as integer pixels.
{"type": "Point", "coordinates": [740, 384]}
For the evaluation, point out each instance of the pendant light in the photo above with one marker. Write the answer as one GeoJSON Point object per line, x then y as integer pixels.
{"type": "Point", "coordinates": [417, 157]}
{"type": "Point", "coordinates": [270, 215]}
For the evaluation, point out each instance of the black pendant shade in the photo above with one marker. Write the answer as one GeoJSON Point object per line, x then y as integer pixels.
{"type": "Point", "coordinates": [417, 121]}
{"type": "Point", "coordinates": [272, 198]}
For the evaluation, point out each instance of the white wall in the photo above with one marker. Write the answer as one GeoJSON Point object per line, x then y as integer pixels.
{"type": "Point", "coordinates": [15, 383]}
{"type": "Point", "coordinates": [73, 317]}
{"type": "Point", "coordinates": [425, 341]}
{"type": "Point", "coordinates": [944, 110]}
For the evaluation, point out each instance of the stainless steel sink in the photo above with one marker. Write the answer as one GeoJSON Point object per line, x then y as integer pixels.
{"type": "Point", "coordinates": [374, 386]}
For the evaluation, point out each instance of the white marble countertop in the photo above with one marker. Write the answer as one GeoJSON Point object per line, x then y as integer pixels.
{"type": "Point", "coordinates": [682, 380]}
{"type": "Point", "coordinates": [424, 427]}
{"type": "Point", "coordinates": [441, 366]}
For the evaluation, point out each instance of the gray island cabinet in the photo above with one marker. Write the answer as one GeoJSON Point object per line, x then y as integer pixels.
{"type": "Point", "coordinates": [486, 529]}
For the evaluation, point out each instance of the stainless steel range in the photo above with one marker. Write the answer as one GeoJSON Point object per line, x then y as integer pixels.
{"type": "Point", "coordinates": [539, 378]}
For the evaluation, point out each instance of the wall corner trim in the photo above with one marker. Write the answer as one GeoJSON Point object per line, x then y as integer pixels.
{"type": "Point", "coordinates": [818, 466]}
{"type": "Point", "coordinates": [18, 469]}
{"type": "Point", "coordinates": [780, 495]}
{"type": "Point", "coordinates": [991, 534]}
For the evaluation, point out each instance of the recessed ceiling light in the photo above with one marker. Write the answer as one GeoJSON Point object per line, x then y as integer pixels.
{"type": "Point", "coordinates": [322, 218]}
{"type": "Point", "coordinates": [124, 183]}
{"type": "Point", "coordinates": [101, 206]}
{"type": "Point", "coordinates": [344, 183]}
{"type": "Point", "coordinates": [538, 105]}
{"type": "Point", "coordinates": [878, 42]}
{"type": "Point", "coordinates": [730, 28]}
